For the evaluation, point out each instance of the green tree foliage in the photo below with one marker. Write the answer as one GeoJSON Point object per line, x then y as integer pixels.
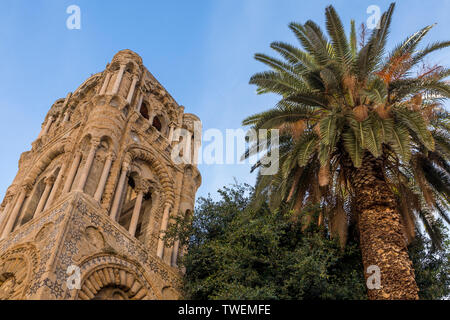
{"type": "Point", "coordinates": [432, 265]}
{"type": "Point", "coordinates": [238, 252]}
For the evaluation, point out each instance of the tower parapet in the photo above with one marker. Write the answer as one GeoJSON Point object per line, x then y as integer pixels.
{"type": "Point", "coordinates": [101, 167]}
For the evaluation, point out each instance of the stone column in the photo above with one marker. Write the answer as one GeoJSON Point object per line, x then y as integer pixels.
{"type": "Point", "coordinates": [118, 79]}
{"type": "Point", "coordinates": [87, 166]}
{"type": "Point", "coordinates": [105, 83]}
{"type": "Point", "coordinates": [133, 86]}
{"type": "Point", "coordinates": [48, 187]}
{"type": "Point", "coordinates": [151, 116]}
{"type": "Point", "coordinates": [136, 213]}
{"type": "Point", "coordinates": [141, 189]}
{"type": "Point", "coordinates": [55, 186]}
{"type": "Point", "coordinates": [119, 190]}
{"type": "Point", "coordinates": [66, 100]}
{"type": "Point", "coordinates": [72, 172]}
{"type": "Point", "coordinates": [139, 104]}
{"type": "Point", "coordinates": [105, 174]}
{"type": "Point", "coordinates": [197, 141]}
{"type": "Point", "coordinates": [165, 220]}
{"type": "Point", "coordinates": [4, 214]}
{"type": "Point", "coordinates": [66, 117]}
{"type": "Point", "coordinates": [47, 127]}
{"type": "Point", "coordinates": [187, 154]}
{"type": "Point", "coordinates": [176, 251]}
{"type": "Point", "coordinates": [176, 247]}
{"type": "Point", "coordinates": [171, 130]}
{"type": "Point", "coordinates": [12, 218]}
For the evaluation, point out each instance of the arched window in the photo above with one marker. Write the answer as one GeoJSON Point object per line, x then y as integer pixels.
{"type": "Point", "coordinates": [131, 194]}
{"type": "Point", "coordinates": [129, 68]}
{"type": "Point", "coordinates": [157, 123]}
{"type": "Point", "coordinates": [115, 66]}
{"type": "Point", "coordinates": [144, 216]}
{"type": "Point", "coordinates": [188, 215]}
{"type": "Point", "coordinates": [136, 185]}
{"type": "Point", "coordinates": [31, 203]}
{"type": "Point", "coordinates": [113, 292]}
{"type": "Point", "coordinates": [128, 204]}
{"type": "Point", "coordinates": [144, 111]}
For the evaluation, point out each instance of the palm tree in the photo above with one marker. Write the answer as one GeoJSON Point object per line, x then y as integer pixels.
{"type": "Point", "coordinates": [364, 134]}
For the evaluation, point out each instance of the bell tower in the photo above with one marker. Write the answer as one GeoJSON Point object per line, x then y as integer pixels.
{"type": "Point", "coordinates": [85, 214]}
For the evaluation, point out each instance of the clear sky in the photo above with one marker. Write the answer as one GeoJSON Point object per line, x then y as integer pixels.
{"type": "Point", "coordinates": [201, 51]}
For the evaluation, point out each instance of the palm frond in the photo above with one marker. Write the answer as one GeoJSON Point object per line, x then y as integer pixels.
{"type": "Point", "coordinates": [276, 82]}
{"type": "Point", "coordinates": [370, 55]}
{"type": "Point", "coordinates": [353, 147]}
{"type": "Point", "coordinates": [415, 122]}
{"type": "Point", "coordinates": [400, 141]}
{"type": "Point", "coordinates": [337, 34]}
{"type": "Point", "coordinates": [294, 55]}
{"type": "Point", "coordinates": [418, 57]}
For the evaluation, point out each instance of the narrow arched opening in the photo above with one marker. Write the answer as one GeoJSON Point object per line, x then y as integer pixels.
{"type": "Point", "coordinates": [31, 204]}
{"type": "Point", "coordinates": [144, 111]}
{"type": "Point", "coordinates": [157, 124]}
{"type": "Point", "coordinates": [112, 292]}
{"type": "Point", "coordinates": [128, 203]}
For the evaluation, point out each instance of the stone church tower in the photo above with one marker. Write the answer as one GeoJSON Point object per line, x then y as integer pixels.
{"type": "Point", "coordinates": [83, 218]}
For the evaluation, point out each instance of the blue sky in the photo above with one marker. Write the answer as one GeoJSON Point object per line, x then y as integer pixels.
{"type": "Point", "coordinates": [201, 51]}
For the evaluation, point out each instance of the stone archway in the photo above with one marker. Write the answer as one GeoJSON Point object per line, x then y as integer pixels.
{"type": "Point", "coordinates": [17, 267]}
{"type": "Point", "coordinates": [105, 276]}
{"type": "Point", "coordinates": [42, 163]}
{"type": "Point", "coordinates": [161, 170]}
{"type": "Point", "coordinates": [113, 282]}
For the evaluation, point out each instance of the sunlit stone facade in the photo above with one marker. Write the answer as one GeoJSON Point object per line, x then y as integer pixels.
{"type": "Point", "coordinates": [96, 191]}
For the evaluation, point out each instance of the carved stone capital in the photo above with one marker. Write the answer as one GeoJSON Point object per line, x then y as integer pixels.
{"type": "Point", "coordinates": [95, 142]}
{"type": "Point", "coordinates": [143, 185]}
{"type": "Point", "coordinates": [8, 197]}
{"type": "Point", "coordinates": [27, 187]}
{"type": "Point", "coordinates": [134, 117]}
{"type": "Point", "coordinates": [68, 145]}
{"type": "Point", "coordinates": [126, 166]}
{"type": "Point", "coordinates": [111, 156]}
{"type": "Point", "coordinates": [168, 206]}
{"type": "Point", "coordinates": [50, 180]}
{"type": "Point", "coordinates": [128, 158]}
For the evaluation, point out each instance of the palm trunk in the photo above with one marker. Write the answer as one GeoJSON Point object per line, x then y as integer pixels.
{"type": "Point", "coordinates": [382, 240]}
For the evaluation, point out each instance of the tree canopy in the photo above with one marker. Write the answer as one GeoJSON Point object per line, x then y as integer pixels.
{"type": "Point", "coordinates": [238, 252]}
